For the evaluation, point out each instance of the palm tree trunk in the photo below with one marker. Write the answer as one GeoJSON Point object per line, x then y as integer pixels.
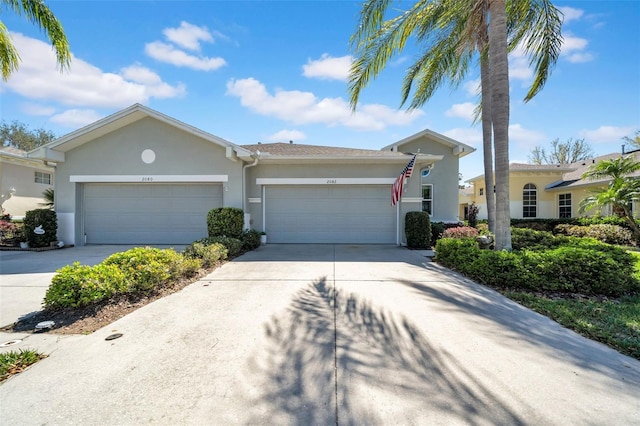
{"type": "Point", "coordinates": [499, 71]}
{"type": "Point", "coordinates": [487, 131]}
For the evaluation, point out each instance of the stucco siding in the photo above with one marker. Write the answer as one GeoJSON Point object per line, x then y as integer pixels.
{"type": "Point", "coordinates": [21, 177]}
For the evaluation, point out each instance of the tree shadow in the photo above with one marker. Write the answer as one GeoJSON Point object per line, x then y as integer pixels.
{"type": "Point", "coordinates": [483, 305]}
{"type": "Point", "coordinates": [330, 356]}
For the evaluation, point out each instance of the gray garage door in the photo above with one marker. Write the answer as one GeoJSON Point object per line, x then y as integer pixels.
{"type": "Point", "coordinates": [149, 213]}
{"type": "Point", "coordinates": [360, 214]}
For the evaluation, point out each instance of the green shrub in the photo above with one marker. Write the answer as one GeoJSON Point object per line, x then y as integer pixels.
{"type": "Point", "coordinates": [146, 267]}
{"type": "Point", "coordinates": [417, 229]}
{"type": "Point", "coordinates": [225, 222]}
{"type": "Point", "coordinates": [208, 254]}
{"type": "Point", "coordinates": [40, 227]}
{"type": "Point", "coordinates": [79, 285]}
{"type": "Point", "coordinates": [522, 238]}
{"type": "Point", "coordinates": [188, 267]}
{"type": "Point", "coordinates": [250, 239]}
{"type": "Point", "coordinates": [437, 229]}
{"type": "Point", "coordinates": [460, 232]}
{"type": "Point", "coordinates": [541, 224]}
{"type": "Point", "coordinates": [233, 245]}
{"type": "Point", "coordinates": [582, 266]}
{"type": "Point", "coordinates": [604, 220]}
{"type": "Point", "coordinates": [611, 234]}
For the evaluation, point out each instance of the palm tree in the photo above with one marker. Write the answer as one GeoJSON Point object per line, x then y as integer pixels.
{"type": "Point", "coordinates": [48, 197]}
{"type": "Point", "coordinates": [453, 31]}
{"type": "Point", "coordinates": [619, 193]}
{"type": "Point", "coordinates": [37, 12]}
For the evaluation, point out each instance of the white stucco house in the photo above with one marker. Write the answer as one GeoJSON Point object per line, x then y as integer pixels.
{"type": "Point", "coordinates": [141, 177]}
{"type": "Point", "coordinates": [22, 181]}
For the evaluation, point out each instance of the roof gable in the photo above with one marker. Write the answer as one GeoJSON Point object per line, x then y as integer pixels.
{"type": "Point", "coordinates": [460, 149]}
{"type": "Point", "coordinates": [55, 149]}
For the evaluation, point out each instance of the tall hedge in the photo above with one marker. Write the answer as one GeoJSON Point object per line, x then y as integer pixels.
{"type": "Point", "coordinates": [417, 229]}
{"type": "Point", "coordinates": [41, 227]}
{"type": "Point", "coordinates": [225, 222]}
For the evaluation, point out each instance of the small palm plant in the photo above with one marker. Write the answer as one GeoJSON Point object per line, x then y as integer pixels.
{"type": "Point", "coordinates": [48, 196]}
{"type": "Point", "coordinates": [620, 192]}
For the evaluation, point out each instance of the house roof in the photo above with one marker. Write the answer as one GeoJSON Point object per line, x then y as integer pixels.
{"type": "Point", "coordinates": [459, 148]}
{"type": "Point", "coordinates": [525, 167]}
{"type": "Point", "coordinates": [574, 177]}
{"type": "Point", "coordinates": [18, 156]}
{"type": "Point", "coordinates": [55, 149]}
{"type": "Point", "coordinates": [274, 152]}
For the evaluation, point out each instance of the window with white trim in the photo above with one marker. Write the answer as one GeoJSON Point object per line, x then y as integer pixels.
{"type": "Point", "coordinates": [564, 205]}
{"type": "Point", "coordinates": [481, 191]}
{"type": "Point", "coordinates": [529, 200]}
{"type": "Point", "coordinates": [427, 192]}
{"type": "Point", "coordinates": [42, 177]}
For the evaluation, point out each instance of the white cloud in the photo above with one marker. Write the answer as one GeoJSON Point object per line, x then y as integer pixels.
{"type": "Point", "coordinates": [570, 13]}
{"type": "Point", "coordinates": [525, 138]}
{"type": "Point", "coordinates": [287, 135]}
{"type": "Point", "coordinates": [464, 110]}
{"type": "Point", "coordinates": [578, 58]}
{"type": "Point", "coordinates": [472, 87]}
{"type": "Point", "coordinates": [573, 49]}
{"type": "Point", "coordinates": [76, 117]}
{"type": "Point", "coordinates": [167, 53]}
{"type": "Point", "coordinates": [606, 134]}
{"type": "Point", "coordinates": [188, 35]}
{"type": "Point", "coordinates": [519, 68]}
{"type": "Point", "coordinates": [37, 109]}
{"type": "Point", "coordinates": [328, 68]}
{"type": "Point", "coordinates": [467, 135]}
{"type": "Point", "coordinates": [305, 108]}
{"type": "Point", "coordinates": [83, 84]}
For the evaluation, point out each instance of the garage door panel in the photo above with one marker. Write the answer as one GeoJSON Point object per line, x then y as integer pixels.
{"type": "Point", "coordinates": [148, 213]}
{"type": "Point", "coordinates": [330, 214]}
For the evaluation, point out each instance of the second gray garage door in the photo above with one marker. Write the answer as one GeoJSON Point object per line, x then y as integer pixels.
{"type": "Point", "coordinates": [148, 213]}
{"type": "Point", "coordinates": [358, 214]}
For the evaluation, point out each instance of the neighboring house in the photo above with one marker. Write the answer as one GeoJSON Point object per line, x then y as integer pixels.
{"type": "Point", "coordinates": [141, 177]}
{"type": "Point", "coordinates": [546, 191]}
{"type": "Point", "coordinates": [22, 182]}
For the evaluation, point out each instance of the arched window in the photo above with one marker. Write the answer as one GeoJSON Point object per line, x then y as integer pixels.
{"type": "Point", "coordinates": [427, 191]}
{"type": "Point", "coordinates": [529, 200]}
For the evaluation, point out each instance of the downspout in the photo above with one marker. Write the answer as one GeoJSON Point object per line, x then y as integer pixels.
{"type": "Point", "coordinates": [244, 179]}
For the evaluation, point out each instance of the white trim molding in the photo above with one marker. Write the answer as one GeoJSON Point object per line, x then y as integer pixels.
{"type": "Point", "coordinates": [325, 181]}
{"type": "Point", "coordinates": [255, 200]}
{"type": "Point", "coordinates": [148, 178]}
{"type": "Point", "coordinates": [411, 200]}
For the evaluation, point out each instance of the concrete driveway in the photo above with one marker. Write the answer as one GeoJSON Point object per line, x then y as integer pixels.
{"type": "Point", "coordinates": [26, 275]}
{"type": "Point", "coordinates": [324, 335]}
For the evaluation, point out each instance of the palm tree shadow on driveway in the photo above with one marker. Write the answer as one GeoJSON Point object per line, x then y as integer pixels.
{"type": "Point", "coordinates": [334, 358]}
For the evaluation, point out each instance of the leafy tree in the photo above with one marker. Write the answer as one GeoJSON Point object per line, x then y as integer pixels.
{"type": "Point", "coordinates": [451, 33]}
{"type": "Point", "coordinates": [634, 140]}
{"type": "Point", "coordinates": [39, 14]}
{"type": "Point", "coordinates": [571, 151]}
{"type": "Point", "coordinates": [18, 135]}
{"type": "Point", "coordinates": [620, 191]}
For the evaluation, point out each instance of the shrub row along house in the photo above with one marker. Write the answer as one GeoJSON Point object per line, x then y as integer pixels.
{"type": "Point", "coordinates": [545, 191]}
{"type": "Point", "coordinates": [141, 177]}
{"type": "Point", "coordinates": [22, 182]}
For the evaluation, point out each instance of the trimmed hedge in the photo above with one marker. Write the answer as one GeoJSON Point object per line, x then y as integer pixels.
{"type": "Point", "coordinates": [577, 266]}
{"type": "Point", "coordinates": [250, 239]}
{"type": "Point", "coordinates": [233, 245]}
{"type": "Point", "coordinates": [208, 254]}
{"type": "Point", "coordinates": [417, 229]}
{"type": "Point", "coordinates": [460, 232]}
{"type": "Point", "coordinates": [225, 222]}
{"type": "Point", "coordinates": [146, 267]}
{"type": "Point", "coordinates": [41, 227]}
{"type": "Point", "coordinates": [611, 234]}
{"type": "Point", "coordinates": [139, 270]}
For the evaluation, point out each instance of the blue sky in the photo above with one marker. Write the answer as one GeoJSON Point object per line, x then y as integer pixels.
{"type": "Point", "coordinates": [264, 71]}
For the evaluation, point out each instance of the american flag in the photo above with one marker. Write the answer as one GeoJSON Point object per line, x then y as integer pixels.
{"type": "Point", "coordinates": [398, 184]}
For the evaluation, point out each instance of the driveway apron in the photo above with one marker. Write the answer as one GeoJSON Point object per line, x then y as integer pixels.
{"type": "Point", "coordinates": [324, 335]}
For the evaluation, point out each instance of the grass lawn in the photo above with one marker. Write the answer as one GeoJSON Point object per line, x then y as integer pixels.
{"type": "Point", "coordinates": [15, 362]}
{"type": "Point", "coordinates": [615, 323]}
